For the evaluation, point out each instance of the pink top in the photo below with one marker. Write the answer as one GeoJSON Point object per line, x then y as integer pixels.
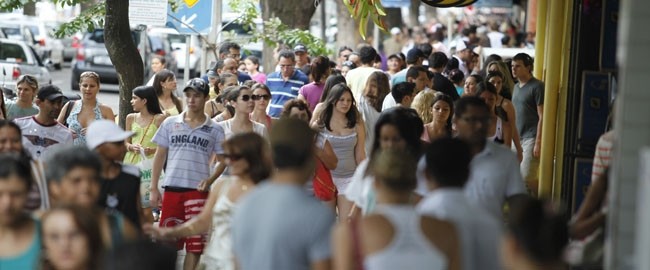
{"type": "Point", "coordinates": [259, 77]}
{"type": "Point", "coordinates": [312, 93]}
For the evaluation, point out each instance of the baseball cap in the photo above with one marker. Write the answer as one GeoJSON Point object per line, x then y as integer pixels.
{"type": "Point", "coordinates": [197, 84]}
{"type": "Point", "coordinates": [414, 54]}
{"type": "Point", "coordinates": [300, 48]}
{"type": "Point", "coordinates": [212, 74]}
{"type": "Point", "coordinates": [49, 92]}
{"type": "Point", "coordinates": [105, 131]}
{"type": "Point", "coordinates": [395, 31]}
{"type": "Point", "coordinates": [460, 45]}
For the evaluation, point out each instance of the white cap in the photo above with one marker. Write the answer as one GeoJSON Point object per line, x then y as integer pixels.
{"type": "Point", "coordinates": [460, 45]}
{"type": "Point", "coordinates": [103, 131]}
{"type": "Point", "coordinates": [395, 31]}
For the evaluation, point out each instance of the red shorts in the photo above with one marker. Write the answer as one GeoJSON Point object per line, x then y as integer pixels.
{"type": "Point", "coordinates": [178, 207]}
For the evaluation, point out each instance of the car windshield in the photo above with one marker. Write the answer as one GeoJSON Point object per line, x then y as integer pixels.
{"type": "Point", "coordinates": [11, 32]}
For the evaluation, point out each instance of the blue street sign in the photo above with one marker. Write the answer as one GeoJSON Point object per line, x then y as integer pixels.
{"type": "Point", "coordinates": [194, 14]}
{"type": "Point", "coordinates": [396, 3]}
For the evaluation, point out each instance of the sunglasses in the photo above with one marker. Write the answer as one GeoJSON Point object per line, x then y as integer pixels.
{"type": "Point", "coordinates": [233, 157]}
{"type": "Point", "coordinates": [258, 97]}
{"type": "Point", "coordinates": [246, 97]}
{"type": "Point", "coordinates": [196, 82]}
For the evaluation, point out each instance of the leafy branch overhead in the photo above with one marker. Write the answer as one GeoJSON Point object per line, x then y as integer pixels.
{"type": "Point", "coordinates": [364, 11]}
{"type": "Point", "coordinates": [275, 32]}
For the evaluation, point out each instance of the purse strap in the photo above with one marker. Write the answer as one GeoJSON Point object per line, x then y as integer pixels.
{"type": "Point", "coordinates": [356, 243]}
{"type": "Point", "coordinates": [146, 129]}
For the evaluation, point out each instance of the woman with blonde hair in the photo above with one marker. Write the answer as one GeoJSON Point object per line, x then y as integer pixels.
{"type": "Point", "coordinates": [422, 104]}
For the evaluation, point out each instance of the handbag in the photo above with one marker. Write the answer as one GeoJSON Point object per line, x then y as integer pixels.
{"type": "Point", "coordinates": [324, 188]}
{"type": "Point", "coordinates": [146, 167]}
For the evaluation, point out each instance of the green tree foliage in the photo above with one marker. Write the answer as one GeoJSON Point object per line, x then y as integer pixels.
{"type": "Point", "coordinates": [364, 11]}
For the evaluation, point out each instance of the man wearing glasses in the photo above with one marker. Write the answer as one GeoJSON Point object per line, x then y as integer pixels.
{"type": "Point", "coordinates": [494, 176]}
{"type": "Point", "coordinates": [232, 50]}
{"type": "Point", "coordinates": [285, 83]}
{"type": "Point", "coordinates": [187, 141]}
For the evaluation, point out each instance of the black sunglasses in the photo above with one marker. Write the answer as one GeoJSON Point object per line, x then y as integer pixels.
{"type": "Point", "coordinates": [233, 157]}
{"type": "Point", "coordinates": [258, 97]}
{"type": "Point", "coordinates": [245, 97]}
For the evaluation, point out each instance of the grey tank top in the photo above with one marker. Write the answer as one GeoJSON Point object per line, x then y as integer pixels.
{"type": "Point", "coordinates": [343, 147]}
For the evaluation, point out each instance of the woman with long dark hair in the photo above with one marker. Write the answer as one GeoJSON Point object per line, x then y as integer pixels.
{"type": "Point", "coordinates": [165, 85]}
{"type": "Point", "coordinates": [442, 109]}
{"type": "Point", "coordinates": [329, 83]}
{"type": "Point", "coordinates": [144, 122]}
{"type": "Point", "coordinates": [261, 96]}
{"type": "Point", "coordinates": [499, 129]}
{"type": "Point", "coordinates": [341, 125]}
{"type": "Point", "coordinates": [249, 159]}
{"type": "Point", "coordinates": [397, 128]}
{"type": "Point", "coordinates": [504, 107]}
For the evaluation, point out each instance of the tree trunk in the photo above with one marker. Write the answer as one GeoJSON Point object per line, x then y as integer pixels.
{"type": "Point", "coordinates": [29, 8]}
{"type": "Point", "coordinates": [394, 18]}
{"type": "Point", "coordinates": [123, 52]}
{"type": "Point", "coordinates": [414, 11]}
{"type": "Point", "coordinates": [348, 28]}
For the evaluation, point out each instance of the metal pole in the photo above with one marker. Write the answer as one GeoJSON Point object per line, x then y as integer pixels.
{"type": "Point", "coordinates": [186, 70]}
{"type": "Point", "coordinates": [323, 21]}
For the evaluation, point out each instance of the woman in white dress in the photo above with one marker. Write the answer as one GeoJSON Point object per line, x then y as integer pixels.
{"type": "Point", "coordinates": [249, 160]}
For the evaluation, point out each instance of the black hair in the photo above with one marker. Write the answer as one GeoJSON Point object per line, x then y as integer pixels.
{"type": "Point", "coordinates": [452, 64]}
{"type": "Point", "coordinates": [233, 94]}
{"type": "Point", "coordinates": [448, 162]}
{"type": "Point", "coordinates": [148, 93]}
{"type": "Point", "coordinates": [540, 232]}
{"type": "Point", "coordinates": [456, 76]}
{"type": "Point", "coordinates": [426, 48]}
{"type": "Point", "coordinates": [11, 124]}
{"type": "Point", "coordinates": [287, 54]}
{"type": "Point", "coordinates": [331, 81]}
{"type": "Point", "coordinates": [150, 256]}
{"type": "Point", "coordinates": [401, 90]}
{"type": "Point", "coordinates": [63, 160]}
{"type": "Point", "coordinates": [438, 60]}
{"type": "Point", "coordinates": [430, 75]}
{"type": "Point", "coordinates": [492, 74]}
{"type": "Point", "coordinates": [160, 58]}
{"type": "Point", "coordinates": [447, 99]}
{"type": "Point", "coordinates": [525, 59]}
{"type": "Point", "coordinates": [333, 97]}
{"type": "Point", "coordinates": [414, 72]}
{"type": "Point", "coordinates": [465, 102]}
{"type": "Point", "coordinates": [295, 103]}
{"type": "Point", "coordinates": [261, 86]}
{"type": "Point", "coordinates": [344, 48]}
{"type": "Point", "coordinates": [254, 60]}
{"type": "Point", "coordinates": [292, 144]}
{"type": "Point", "coordinates": [367, 55]}
{"type": "Point", "coordinates": [219, 64]}
{"type": "Point", "coordinates": [408, 123]}
{"type": "Point", "coordinates": [226, 46]}
{"type": "Point", "coordinates": [14, 164]}
{"type": "Point", "coordinates": [485, 86]}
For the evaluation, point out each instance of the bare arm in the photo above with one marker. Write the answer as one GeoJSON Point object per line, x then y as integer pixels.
{"type": "Point", "coordinates": [587, 220]}
{"type": "Point", "coordinates": [221, 167]}
{"type": "Point", "coordinates": [359, 149]}
{"type": "Point", "coordinates": [538, 138]}
{"type": "Point", "coordinates": [158, 163]}
{"type": "Point", "coordinates": [342, 253]}
{"type": "Point", "coordinates": [208, 108]}
{"type": "Point", "coordinates": [107, 112]}
{"type": "Point", "coordinates": [61, 118]}
{"type": "Point", "coordinates": [512, 119]}
{"type": "Point", "coordinates": [129, 121]}
{"type": "Point", "coordinates": [327, 156]}
{"type": "Point", "coordinates": [507, 133]}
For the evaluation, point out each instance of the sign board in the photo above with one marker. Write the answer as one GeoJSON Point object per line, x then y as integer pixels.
{"type": "Point", "coordinates": [493, 4]}
{"type": "Point", "coordinates": [581, 181]}
{"type": "Point", "coordinates": [192, 17]}
{"type": "Point", "coordinates": [594, 108]}
{"type": "Point", "coordinates": [395, 3]}
{"type": "Point", "coordinates": [148, 12]}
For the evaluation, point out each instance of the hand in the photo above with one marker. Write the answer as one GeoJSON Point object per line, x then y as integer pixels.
{"type": "Point", "coordinates": [149, 151]}
{"type": "Point", "coordinates": [83, 131]}
{"type": "Point", "coordinates": [203, 186]}
{"type": "Point", "coordinates": [536, 150]}
{"type": "Point", "coordinates": [155, 200]}
{"type": "Point", "coordinates": [520, 154]}
{"type": "Point", "coordinates": [135, 147]}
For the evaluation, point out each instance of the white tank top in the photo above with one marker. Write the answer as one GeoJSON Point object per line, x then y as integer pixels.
{"type": "Point", "coordinates": [409, 249]}
{"type": "Point", "coordinates": [218, 252]}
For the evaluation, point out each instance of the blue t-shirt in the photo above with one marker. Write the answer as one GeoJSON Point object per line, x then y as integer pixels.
{"type": "Point", "coordinates": [282, 91]}
{"type": "Point", "coordinates": [29, 258]}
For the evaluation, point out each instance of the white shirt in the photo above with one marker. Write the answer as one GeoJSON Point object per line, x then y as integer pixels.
{"type": "Point", "coordinates": [495, 39]}
{"type": "Point", "coordinates": [357, 79]}
{"type": "Point", "coordinates": [389, 102]}
{"type": "Point", "coordinates": [478, 231]}
{"type": "Point", "coordinates": [462, 66]}
{"type": "Point", "coordinates": [494, 176]}
{"type": "Point", "coordinates": [370, 116]}
{"type": "Point", "coordinates": [37, 138]}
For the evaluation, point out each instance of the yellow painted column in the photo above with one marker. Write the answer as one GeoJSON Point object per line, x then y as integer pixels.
{"type": "Point", "coordinates": [562, 102]}
{"type": "Point", "coordinates": [540, 39]}
{"type": "Point", "coordinates": [553, 66]}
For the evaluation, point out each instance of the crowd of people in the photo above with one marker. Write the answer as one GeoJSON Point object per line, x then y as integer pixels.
{"type": "Point", "coordinates": [320, 164]}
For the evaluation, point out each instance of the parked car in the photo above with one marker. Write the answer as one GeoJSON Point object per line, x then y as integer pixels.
{"type": "Point", "coordinates": [93, 56]}
{"type": "Point", "coordinates": [161, 46]}
{"type": "Point", "coordinates": [16, 59]}
{"type": "Point", "coordinates": [47, 48]}
{"type": "Point", "coordinates": [70, 43]}
{"type": "Point", "coordinates": [177, 42]}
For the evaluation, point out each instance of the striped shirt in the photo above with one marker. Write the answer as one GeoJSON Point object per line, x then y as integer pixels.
{"type": "Point", "coordinates": [188, 150]}
{"type": "Point", "coordinates": [282, 91]}
{"type": "Point", "coordinates": [603, 155]}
